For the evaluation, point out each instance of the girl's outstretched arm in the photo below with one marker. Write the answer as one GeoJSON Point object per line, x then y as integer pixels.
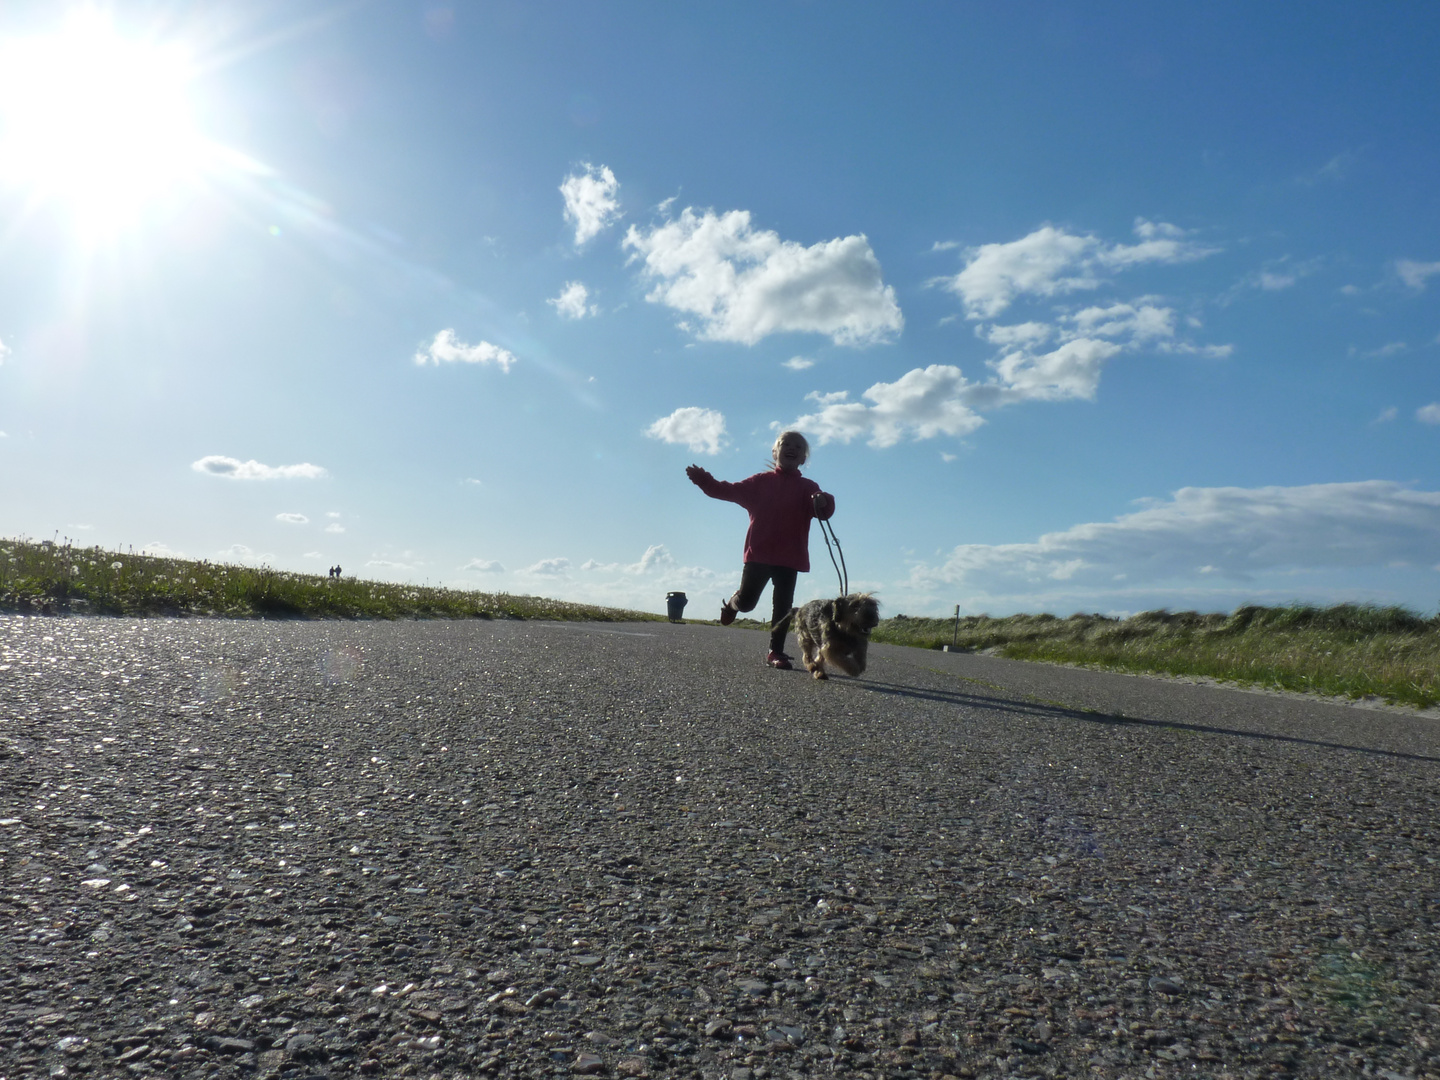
{"type": "Point", "coordinates": [719, 489]}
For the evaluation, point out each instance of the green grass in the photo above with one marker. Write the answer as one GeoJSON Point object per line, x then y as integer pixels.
{"type": "Point", "coordinates": [58, 578]}
{"type": "Point", "coordinates": [1349, 650]}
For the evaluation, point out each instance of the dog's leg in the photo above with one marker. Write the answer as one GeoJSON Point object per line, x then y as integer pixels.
{"type": "Point", "coordinates": [846, 652]}
{"type": "Point", "coordinates": [810, 654]}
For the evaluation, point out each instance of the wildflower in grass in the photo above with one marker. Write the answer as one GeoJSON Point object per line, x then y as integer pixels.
{"type": "Point", "coordinates": [117, 566]}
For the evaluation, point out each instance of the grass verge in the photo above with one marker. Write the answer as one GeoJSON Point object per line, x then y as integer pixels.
{"type": "Point", "coordinates": [58, 578]}
{"type": "Point", "coordinates": [1349, 650]}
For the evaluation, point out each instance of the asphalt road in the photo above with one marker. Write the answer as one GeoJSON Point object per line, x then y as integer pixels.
{"type": "Point", "coordinates": [534, 849]}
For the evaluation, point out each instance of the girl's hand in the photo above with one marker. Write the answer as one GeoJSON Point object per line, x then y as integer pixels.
{"type": "Point", "coordinates": [821, 504]}
{"type": "Point", "coordinates": [697, 475]}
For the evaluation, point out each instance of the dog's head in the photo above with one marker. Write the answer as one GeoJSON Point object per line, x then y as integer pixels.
{"type": "Point", "coordinates": [859, 613]}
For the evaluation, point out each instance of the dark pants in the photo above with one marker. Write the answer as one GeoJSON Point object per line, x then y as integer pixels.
{"type": "Point", "coordinates": [753, 581]}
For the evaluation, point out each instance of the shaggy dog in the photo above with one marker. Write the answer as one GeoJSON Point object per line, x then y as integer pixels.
{"type": "Point", "coordinates": [836, 632]}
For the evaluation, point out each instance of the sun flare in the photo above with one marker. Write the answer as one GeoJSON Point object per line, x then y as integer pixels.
{"type": "Point", "coordinates": [96, 121]}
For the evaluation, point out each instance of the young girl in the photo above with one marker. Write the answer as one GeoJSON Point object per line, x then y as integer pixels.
{"type": "Point", "coordinates": [777, 547]}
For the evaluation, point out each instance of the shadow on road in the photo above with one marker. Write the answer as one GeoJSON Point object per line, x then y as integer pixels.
{"type": "Point", "coordinates": [1045, 709]}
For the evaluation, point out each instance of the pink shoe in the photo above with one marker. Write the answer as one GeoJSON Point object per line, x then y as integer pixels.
{"type": "Point", "coordinates": [727, 614]}
{"type": "Point", "coordinates": [779, 660]}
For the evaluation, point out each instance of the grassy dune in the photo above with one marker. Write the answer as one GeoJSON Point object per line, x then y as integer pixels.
{"type": "Point", "coordinates": [1350, 650]}
{"type": "Point", "coordinates": [58, 578]}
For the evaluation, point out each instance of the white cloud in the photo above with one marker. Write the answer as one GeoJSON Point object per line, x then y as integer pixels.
{"type": "Point", "coordinates": [657, 557]}
{"type": "Point", "coordinates": [1274, 276]}
{"type": "Point", "coordinates": [549, 568]}
{"type": "Point", "coordinates": [293, 519]}
{"type": "Point", "coordinates": [1414, 274]}
{"type": "Point", "coordinates": [1142, 323]}
{"type": "Point", "coordinates": [1024, 335]}
{"type": "Point", "coordinates": [1218, 352]}
{"type": "Point", "coordinates": [1234, 533]}
{"type": "Point", "coordinates": [745, 284]}
{"type": "Point", "coordinates": [573, 301]}
{"type": "Point", "coordinates": [163, 551]}
{"type": "Point", "coordinates": [240, 553]}
{"type": "Point", "coordinates": [1071, 371]}
{"type": "Point", "coordinates": [1050, 262]}
{"type": "Point", "coordinates": [1429, 414]}
{"type": "Point", "coordinates": [334, 527]}
{"type": "Point", "coordinates": [447, 349]}
{"type": "Point", "coordinates": [1044, 263]}
{"type": "Point", "coordinates": [641, 585]}
{"type": "Point", "coordinates": [313, 555]}
{"type": "Point", "coordinates": [1268, 279]}
{"type": "Point", "coordinates": [590, 201]}
{"type": "Point", "coordinates": [1037, 361]}
{"type": "Point", "coordinates": [234, 469]}
{"type": "Point", "coordinates": [702, 430]}
{"type": "Point", "coordinates": [484, 566]}
{"type": "Point", "coordinates": [799, 363]}
{"type": "Point", "coordinates": [939, 400]}
{"type": "Point", "coordinates": [922, 403]}
{"type": "Point", "coordinates": [1160, 242]}
{"type": "Point", "coordinates": [4, 351]}
{"type": "Point", "coordinates": [1387, 415]}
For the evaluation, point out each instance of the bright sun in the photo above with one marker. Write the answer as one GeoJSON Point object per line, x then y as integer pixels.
{"type": "Point", "coordinates": [95, 121]}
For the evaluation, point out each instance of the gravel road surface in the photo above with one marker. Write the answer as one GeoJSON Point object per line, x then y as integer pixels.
{"type": "Point", "coordinates": [243, 849]}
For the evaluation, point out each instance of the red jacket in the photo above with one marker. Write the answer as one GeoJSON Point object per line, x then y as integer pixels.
{"type": "Point", "coordinates": [780, 513]}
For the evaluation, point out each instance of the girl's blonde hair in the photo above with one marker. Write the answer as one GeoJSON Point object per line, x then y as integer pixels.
{"type": "Point", "coordinates": [804, 445]}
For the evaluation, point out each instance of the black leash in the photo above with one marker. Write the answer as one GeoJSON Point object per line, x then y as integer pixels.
{"type": "Point", "coordinates": [840, 570]}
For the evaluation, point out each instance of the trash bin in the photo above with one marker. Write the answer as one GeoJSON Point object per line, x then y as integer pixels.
{"type": "Point", "coordinates": [675, 605]}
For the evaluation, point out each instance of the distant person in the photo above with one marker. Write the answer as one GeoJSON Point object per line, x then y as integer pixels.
{"type": "Point", "coordinates": [777, 546]}
{"type": "Point", "coordinates": [337, 573]}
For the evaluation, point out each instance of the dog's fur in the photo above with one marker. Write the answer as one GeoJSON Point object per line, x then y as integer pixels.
{"type": "Point", "coordinates": [836, 632]}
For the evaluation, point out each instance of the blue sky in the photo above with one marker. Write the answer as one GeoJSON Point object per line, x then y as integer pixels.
{"type": "Point", "coordinates": [1100, 307]}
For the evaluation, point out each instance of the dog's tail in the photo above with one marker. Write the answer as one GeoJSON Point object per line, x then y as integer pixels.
{"type": "Point", "coordinates": [782, 624]}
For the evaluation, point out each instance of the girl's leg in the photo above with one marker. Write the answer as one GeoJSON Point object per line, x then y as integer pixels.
{"type": "Point", "coordinates": [753, 580]}
{"type": "Point", "coordinates": [783, 595]}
